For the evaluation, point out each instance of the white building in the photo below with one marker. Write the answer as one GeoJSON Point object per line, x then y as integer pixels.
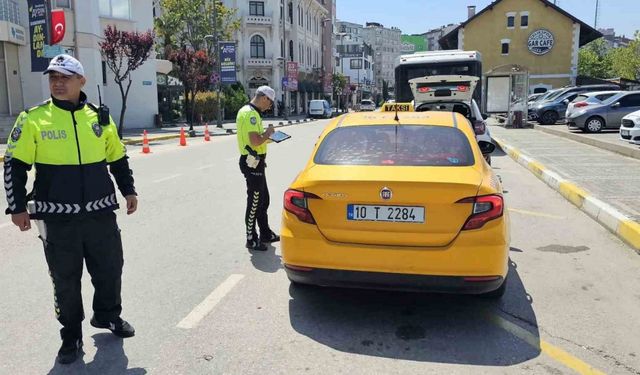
{"type": "Point", "coordinates": [355, 60]}
{"type": "Point", "coordinates": [386, 48]}
{"type": "Point", "coordinates": [85, 20]}
{"type": "Point", "coordinates": [261, 46]}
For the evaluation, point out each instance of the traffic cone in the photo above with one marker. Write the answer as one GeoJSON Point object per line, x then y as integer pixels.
{"type": "Point", "coordinates": [207, 137]}
{"type": "Point", "coordinates": [183, 139]}
{"type": "Point", "coordinates": [145, 143]}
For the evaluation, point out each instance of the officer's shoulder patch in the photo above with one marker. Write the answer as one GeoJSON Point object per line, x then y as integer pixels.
{"type": "Point", "coordinates": [97, 129]}
{"type": "Point", "coordinates": [253, 120]}
{"type": "Point", "coordinates": [41, 105]}
{"type": "Point", "coordinates": [16, 133]}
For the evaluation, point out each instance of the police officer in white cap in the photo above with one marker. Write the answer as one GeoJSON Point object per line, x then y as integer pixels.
{"type": "Point", "coordinates": [252, 144]}
{"type": "Point", "coordinates": [73, 145]}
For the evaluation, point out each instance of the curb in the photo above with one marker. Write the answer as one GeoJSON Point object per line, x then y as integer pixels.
{"type": "Point", "coordinates": [618, 223]}
{"type": "Point", "coordinates": [608, 146]}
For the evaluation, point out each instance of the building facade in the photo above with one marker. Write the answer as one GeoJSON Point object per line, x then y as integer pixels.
{"type": "Point", "coordinates": [386, 45]}
{"type": "Point", "coordinates": [534, 34]}
{"type": "Point", "coordinates": [85, 21]}
{"type": "Point", "coordinates": [613, 40]}
{"type": "Point", "coordinates": [263, 43]}
{"type": "Point", "coordinates": [355, 61]}
{"type": "Point", "coordinates": [432, 37]}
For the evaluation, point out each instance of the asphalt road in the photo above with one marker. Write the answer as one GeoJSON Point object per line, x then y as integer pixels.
{"type": "Point", "coordinates": [202, 304]}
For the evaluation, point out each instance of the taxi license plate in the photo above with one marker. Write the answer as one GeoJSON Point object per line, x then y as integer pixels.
{"type": "Point", "coordinates": [394, 214]}
{"type": "Point", "coordinates": [624, 132]}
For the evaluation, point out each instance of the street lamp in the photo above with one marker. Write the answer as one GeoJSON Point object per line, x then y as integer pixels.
{"type": "Point", "coordinates": [285, 88]}
{"type": "Point", "coordinates": [341, 35]}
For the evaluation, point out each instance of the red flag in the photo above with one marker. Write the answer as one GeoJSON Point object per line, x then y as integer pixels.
{"type": "Point", "coordinates": [58, 26]}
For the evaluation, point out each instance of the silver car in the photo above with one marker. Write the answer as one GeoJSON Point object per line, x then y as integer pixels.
{"type": "Point", "coordinates": [607, 115]}
{"type": "Point", "coordinates": [587, 99]}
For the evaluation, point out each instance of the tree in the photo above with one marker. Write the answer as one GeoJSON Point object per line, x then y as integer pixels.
{"type": "Point", "coordinates": [124, 52]}
{"type": "Point", "coordinates": [183, 27]}
{"type": "Point", "coordinates": [625, 61]}
{"type": "Point", "coordinates": [193, 68]}
{"type": "Point", "coordinates": [385, 90]}
{"type": "Point", "coordinates": [595, 61]}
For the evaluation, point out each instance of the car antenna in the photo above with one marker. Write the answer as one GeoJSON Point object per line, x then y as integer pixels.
{"type": "Point", "coordinates": [396, 118]}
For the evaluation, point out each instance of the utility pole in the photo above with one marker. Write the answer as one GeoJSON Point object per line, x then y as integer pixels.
{"type": "Point", "coordinates": [595, 23]}
{"type": "Point", "coordinates": [285, 88]}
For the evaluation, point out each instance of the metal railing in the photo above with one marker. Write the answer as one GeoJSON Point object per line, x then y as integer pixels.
{"type": "Point", "coordinates": [10, 11]}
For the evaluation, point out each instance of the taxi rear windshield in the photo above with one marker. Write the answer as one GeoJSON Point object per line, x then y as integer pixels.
{"type": "Point", "coordinates": [395, 145]}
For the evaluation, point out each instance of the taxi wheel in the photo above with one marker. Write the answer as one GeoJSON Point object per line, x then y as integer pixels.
{"type": "Point", "coordinates": [498, 293]}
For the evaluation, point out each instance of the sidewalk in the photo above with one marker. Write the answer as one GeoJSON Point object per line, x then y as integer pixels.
{"type": "Point", "coordinates": [604, 184]}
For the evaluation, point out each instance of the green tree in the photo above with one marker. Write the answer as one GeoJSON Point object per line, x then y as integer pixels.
{"type": "Point", "coordinates": [625, 61]}
{"type": "Point", "coordinates": [595, 61]}
{"type": "Point", "coordinates": [339, 82]}
{"type": "Point", "coordinates": [183, 28]}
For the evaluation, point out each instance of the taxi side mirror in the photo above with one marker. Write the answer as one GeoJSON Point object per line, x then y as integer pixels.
{"type": "Point", "coordinates": [486, 147]}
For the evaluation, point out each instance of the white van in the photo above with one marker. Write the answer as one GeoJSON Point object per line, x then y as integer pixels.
{"type": "Point", "coordinates": [319, 108]}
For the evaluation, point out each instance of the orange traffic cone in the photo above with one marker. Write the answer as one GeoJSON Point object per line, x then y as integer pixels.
{"type": "Point", "coordinates": [207, 136]}
{"type": "Point", "coordinates": [145, 143]}
{"type": "Point", "coordinates": [183, 139]}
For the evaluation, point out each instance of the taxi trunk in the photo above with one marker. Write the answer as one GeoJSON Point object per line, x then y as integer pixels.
{"type": "Point", "coordinates": [358, 205]}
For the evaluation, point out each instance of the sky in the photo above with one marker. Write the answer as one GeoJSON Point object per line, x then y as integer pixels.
{"type": "Point", "coordinates": [419, 16]}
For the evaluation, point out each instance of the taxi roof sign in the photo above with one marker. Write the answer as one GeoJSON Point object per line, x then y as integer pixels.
{"type": "Point", "coordinates": [397, 107]}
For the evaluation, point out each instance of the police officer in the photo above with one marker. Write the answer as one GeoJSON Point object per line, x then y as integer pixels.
{"type": "Point", "coordinates": [73, 148]}
{"type": "Point", "coordinates": [252, 144]}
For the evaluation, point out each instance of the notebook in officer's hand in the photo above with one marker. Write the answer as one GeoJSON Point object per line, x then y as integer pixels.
{"type": "Point", "coordinates": [279, 136]}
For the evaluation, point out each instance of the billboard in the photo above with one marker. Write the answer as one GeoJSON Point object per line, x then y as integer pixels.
{"type": "Point", "coordinates": [292, 75]}
{"type": "Point", "coordinates": [228, 63]}
{"type": "Point", "coordinates": [413, 43]}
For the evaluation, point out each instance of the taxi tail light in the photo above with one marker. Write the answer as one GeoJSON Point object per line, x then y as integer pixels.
{"type": "Point", "coordinates": [581, 104]}
{"type": "Point", "coordinates": [479, 127]}
{"type": "Point", "coordinates": [424, 89]}
{"type": "Point", "coordinates": [295, 201]}
{"type": "Point", "coordinates": [462, 88]}
{"type": "Point", "coordinates": [485, 209]}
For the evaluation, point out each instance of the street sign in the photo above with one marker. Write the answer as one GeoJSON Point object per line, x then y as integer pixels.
{"type": "Point", "coordinates": [228, 62]}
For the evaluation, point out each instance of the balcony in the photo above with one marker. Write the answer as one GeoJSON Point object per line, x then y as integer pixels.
{"type": "Point", "coordinates": [253, 62]}
{"type": "Point", "coordinates": [257, 20]}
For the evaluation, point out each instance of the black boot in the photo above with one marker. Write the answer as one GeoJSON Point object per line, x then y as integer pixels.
{"type": "Point", "coordinates": [69, 351]}
{"type": "Point", "coordinates": [270, 237]}
{"type": "Point", "coordinates": [255, 244]}
{"type": "Point", "coordinates": [119, 327]}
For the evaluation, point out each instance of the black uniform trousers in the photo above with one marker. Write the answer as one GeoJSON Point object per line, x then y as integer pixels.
{"type": "Point", "coordinates": [257, 198]}
{"type": "Point", "coordinates": [97, 241]}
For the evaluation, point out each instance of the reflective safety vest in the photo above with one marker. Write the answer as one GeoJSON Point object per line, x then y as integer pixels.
{"type": "Point", "coordinates": [71, 152]}
{"type": "Point", "coordinates": [248, 121]}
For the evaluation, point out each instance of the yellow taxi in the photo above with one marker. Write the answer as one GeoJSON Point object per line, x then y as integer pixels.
{"type": "Point", "coordinates": [398, 200]}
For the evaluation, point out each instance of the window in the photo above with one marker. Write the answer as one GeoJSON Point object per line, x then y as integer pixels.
{"type": "Point", "coordinates": [281, 47]}
{"type": "Point", "coordinates": [115, 8]}
{"type": "Point", "coordinates": [257, 47]}
{"type": "Point", "coordinates": [291, 17]}
{"type": "Point", "coordinates": [511, 20]}
{"type": "Point", "coordinates": [356, 64]}
{"type": "Point", "coordinates": [256, 8]}
{"type": "Point", "coordinates": [62, 4]}
{"type": "Point", "coordinates": [337, 61]}
{"type": "Point", "coordinates": [291, 50]}
{"type": "Point", "coordinates": [524, 20]}
{"type": "Point", "coordinates": [505, 46]}
{"type": "Point", "coordinates": [389, 145]}
{"type": "Point", "coordinates": [630, 101]}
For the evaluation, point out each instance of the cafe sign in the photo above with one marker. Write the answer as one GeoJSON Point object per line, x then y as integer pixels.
{"type": "Point", "coordinates": [541, 42]}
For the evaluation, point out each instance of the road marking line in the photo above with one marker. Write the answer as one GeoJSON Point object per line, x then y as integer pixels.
{"type": "Point", "coordinates": [552, 351]}
{"type": "Point", "coordinates": [525, 212]}
{"type": "Point", "coordinates": [206, 306]}
{"type": "Point", "coordinates": [167, 178]}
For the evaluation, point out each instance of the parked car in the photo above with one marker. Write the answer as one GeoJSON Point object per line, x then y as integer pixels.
{"type": "Point", "coordinates": [607, 115]}
{"type": "Point", "coordinates": [319, 109]}
{"type": "Point", "coordinates": [630, 129]}
{"type": "Point", "coordinates": [533, 97]}
{"type": "Point", "coordinates": [367, 105]}
{"type": "Point", "coordinates": [554, 108]}
{"type": "Point", "coordinates": [451, 94]}
{"type": "Point", "coordinates": [587, 99]}
{"type": "Point", "coordinates": [532, 116]}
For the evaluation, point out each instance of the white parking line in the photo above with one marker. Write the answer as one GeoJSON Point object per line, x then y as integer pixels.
{"type": "Point", "coordinates": [167, 178]}
{"type": "Point", "coordinates": [206, 306]}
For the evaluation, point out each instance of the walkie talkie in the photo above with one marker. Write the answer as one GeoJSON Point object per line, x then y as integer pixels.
{"type": "Point", "coordinates": [103, 111]}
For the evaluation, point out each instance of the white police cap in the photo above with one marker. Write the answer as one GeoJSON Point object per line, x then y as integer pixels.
{"type": "Point", "coordinates": [267, 91]}
{"type": "Point", "coordinates": [65, 64]}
